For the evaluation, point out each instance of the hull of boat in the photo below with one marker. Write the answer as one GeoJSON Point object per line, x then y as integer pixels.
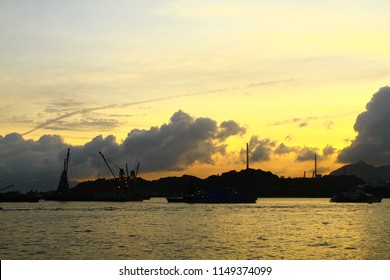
{"type": "Point", "coordinates": [215, 197]}
{"type": "Point", "coordinates": [18, 198]}
{"type": "Point", "coordinates": [356, 198]}
{"type": "Point", "coordinates": [113, 197]}
{"type": "Point", "coordinates": [175, 199]}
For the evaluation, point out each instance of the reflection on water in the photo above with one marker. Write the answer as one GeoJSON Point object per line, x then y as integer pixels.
{"type": "Point", "coordinates": [270, 229]}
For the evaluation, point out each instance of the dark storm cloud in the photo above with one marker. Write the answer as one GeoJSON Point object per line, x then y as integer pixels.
{"type": "Point", "coordinates": [176, 145]}
{"type": "Point", "coordinates": [30, 164]}
{"type": "Point", "coordinates": [180, 143]}
{"type": "Point", "coordinates": [372, 143]}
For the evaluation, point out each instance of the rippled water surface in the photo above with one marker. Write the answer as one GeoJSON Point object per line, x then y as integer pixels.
{"type": "Point", "coordinates": [154, 229]}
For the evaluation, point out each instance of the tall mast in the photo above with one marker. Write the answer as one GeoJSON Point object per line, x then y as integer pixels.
{"type": "Point", "coordinates": [137, 169]}
{"type": "Point", "coordinates": [315, 165]}
{"type": "Point", "coordinates": [247, 156]}
{"type": "Point", "coordinates": [67, 161]}
{"type": "Point", "coordinates": [63, 185]}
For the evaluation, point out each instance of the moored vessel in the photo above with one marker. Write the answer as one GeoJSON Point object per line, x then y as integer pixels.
{"type": "Point", "coordinates": [357, 196]}
{"type": "Point", "coordinates": [227, 196]}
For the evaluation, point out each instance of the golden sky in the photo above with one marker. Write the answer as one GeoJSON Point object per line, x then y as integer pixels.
{"type": "Point", "coordinates": [292, 74]}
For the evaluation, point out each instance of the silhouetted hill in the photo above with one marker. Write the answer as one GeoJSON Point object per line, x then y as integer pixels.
{"type": "Point", "coordinates": [255, 182]}
{"type": "Point", "coordinates": [367, 172]}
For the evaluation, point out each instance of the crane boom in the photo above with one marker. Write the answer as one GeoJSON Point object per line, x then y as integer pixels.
{"type": "Point", "coordinates": [10, 186]}
{"type": "Point", "coordinates": [105, 161]}
{"type": "Point", "coordinates": [67, 161]}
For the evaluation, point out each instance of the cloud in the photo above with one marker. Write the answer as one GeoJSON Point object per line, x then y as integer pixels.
{"type": "Point", "coordinates": [28, 163]}
{"type": "Point", "coordinates": [305, 121]}
{"type": "Point", "coordinates": [329, 124]}
{"type": "Point", "coordinates": [180, 143]}
{"type": "Point", "coordinates": [372, 143]}
{"type": "Point", "coordinates": [282, 149]}
{"type": "Point", "coordinates": [87, 123]}
{"type": "Point", "coordinates": [329, 150]}
{"type": "Point", "coordinates": [229, 128]}
{"type": "Point", "coordinates": [287, 121]}
{"type": "Point", "coordinates": [69, 108]}
{"type": "Point", "coordinates": [265, 148]}
{"type": "Point", "coordinates": [260, 84]}
{"type": "Point", "coordinates": [259, 149]}
{"type": "Point", "coordinates": [176, 145]}
{"type": "Point", "coordinates": [306, 154]}
{"type": "Point", "coordinates": [302, 122]}
{"type": "Point", "coordinates": [303, 153]}
{"type": "Point", "coordinates": [59, 118]}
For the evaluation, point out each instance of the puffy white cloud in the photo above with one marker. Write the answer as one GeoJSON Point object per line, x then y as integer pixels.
{"type": "Point", "coordinates": [372, 143]}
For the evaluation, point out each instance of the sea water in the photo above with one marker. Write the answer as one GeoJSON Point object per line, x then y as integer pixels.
{"type": "Point", "coordinates": [271, 229]}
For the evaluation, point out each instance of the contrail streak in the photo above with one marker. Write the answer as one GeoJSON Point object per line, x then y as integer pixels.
{"type": "Point", "coordinates": [67, 115]}
{"type": "Point", "coordinates": [89, 110]}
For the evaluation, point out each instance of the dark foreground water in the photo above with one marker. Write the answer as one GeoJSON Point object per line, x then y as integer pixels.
{"type": "Point", "coordinates": [270, 229]}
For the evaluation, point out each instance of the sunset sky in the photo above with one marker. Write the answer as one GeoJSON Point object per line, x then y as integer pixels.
{"type": "Point", "coordinates": [182, 86]}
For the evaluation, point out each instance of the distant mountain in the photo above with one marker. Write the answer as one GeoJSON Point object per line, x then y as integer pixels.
{"type": "Point", "coordinates": [365, 171]}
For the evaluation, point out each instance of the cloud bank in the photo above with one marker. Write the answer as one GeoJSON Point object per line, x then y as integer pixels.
{"type": "Point", "coordinates": [173, 146]}
{"type": "Point", "coordinates": [372, 143]}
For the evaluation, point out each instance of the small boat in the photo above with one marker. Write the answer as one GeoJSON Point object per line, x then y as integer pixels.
{"type": "Point", "coordinates": [220, 197]}
{"type": "Point", "coordinates": [15, 196]}
{"type": "Point", "coordinates": [357, 196]}
{"type": "Point", "coordinates": [228, 196]}
{"type": "Point", "coordinates": [175, 198]}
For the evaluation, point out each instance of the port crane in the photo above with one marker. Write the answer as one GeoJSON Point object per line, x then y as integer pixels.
{"type": "Point", "coordinates": [125, 182]}
{"type": "Point", "coordinates": [109, 167]}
